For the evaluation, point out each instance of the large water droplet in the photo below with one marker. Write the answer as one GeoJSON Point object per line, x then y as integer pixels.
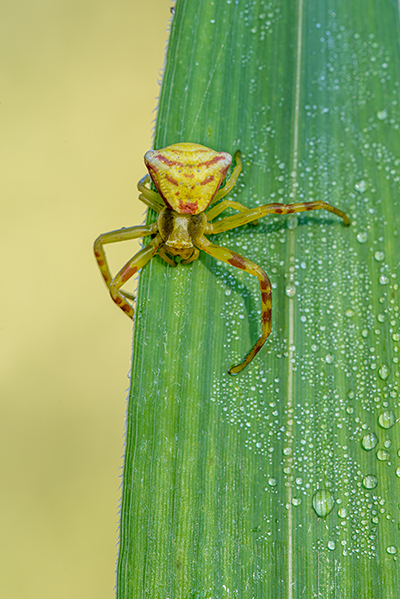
{"type": "Point", "coordinates": [272, 482]}
{"type": "Point", "coordinates": [383, 455]}
{"type": "Point", "coordinates": [329, 359]}
{"type": "Point", "coordinates": [361, 186]}
{"type": "Point", "coordinates": [379, 256]}
{"type": "Point", "coordinates": [387, 419]}
{"type": "Point", "coordinates": [323, 502]}
{"type": "Point", "coordinates": [391, 549]}
{"type": "Point", "coordinates": [383, 280]}
{"type": "Point", "coordinates": [362, 237]}
{"type": "Point", "coordinates": [369, 441]}
{"type": "Point", "coordinates": [290, 290]}
{"type": "Point", "coordinates": [292, 222]}
{"type": "Point", "coordinates": [370, 481]}
{"type": "Point", "coordinates": [342, 513]}
{"type": "Point", "coordinates": [331, 545]}
{"type": "Point", "coordinates": [383, 372]}
{"type": "Point", "coordinates": [381, 115]}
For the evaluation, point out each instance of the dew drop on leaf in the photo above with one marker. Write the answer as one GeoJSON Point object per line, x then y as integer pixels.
{"type": "Point", "coordinates": [362, 237]}
{"type": "Point", "coordinates": [383, 455]}
{"type": "Point", "coordinates": [331, 545]}
{"type": "Point", "coordinates": [386, 419]}
{"type": "Point", "coordinates": [323, 502]}
{"type": "Point", "coordinates": [290, 290]}
{"type": "Point", "coordinates": [383, 372]}
{"type": "Point", "coordinates": [370, 481]}
{"type": "Point", "coordinates": [369, 441]}
{"type": "Point", "coordinates": [361, 186]}
{"type": "Point", "coordinates": [379, 256]}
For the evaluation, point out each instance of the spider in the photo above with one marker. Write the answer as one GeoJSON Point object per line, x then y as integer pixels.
{"type": "Point", "coordinates": [188, 177]}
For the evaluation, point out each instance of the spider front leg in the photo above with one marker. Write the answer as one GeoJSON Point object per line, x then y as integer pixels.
{"type": "Point", "coordinates": [225, 255]}
{"type": "Point", "coordinates": [113, 237]}
{"type": "Point", "coordinates": [130, 268]}
{"type": "Point", "coordinates": [149, 197]}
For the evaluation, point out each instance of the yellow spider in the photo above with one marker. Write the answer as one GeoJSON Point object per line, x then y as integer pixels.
{"type": "Point", "coordinates": [187, 177]}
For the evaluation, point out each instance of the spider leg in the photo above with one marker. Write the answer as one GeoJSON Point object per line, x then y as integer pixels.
{"type": "Point", "coordinates": [230, 184]}
{"type": "Point", "coordinates": [130, 268]}
{"type": "Point", "coordinates": [151, 198]}
{"type": "Point", "coordinates": [225, 255]}
{"type": "Point", "coordinates": [113, 237]}
{"type": "Point", "coordinates": [231, 222]}
{"type": "Point", "coordinates": [216, 210]}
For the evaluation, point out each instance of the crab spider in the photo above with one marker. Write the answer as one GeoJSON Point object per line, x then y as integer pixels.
{"type": "Point", "coordinates": [187, 177]}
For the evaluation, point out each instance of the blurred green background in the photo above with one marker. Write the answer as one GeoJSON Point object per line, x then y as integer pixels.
{"type": "Point", "coordinates": [79, 88]}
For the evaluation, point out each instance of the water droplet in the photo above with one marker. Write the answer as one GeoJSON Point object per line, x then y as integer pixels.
{"type": "Point", "coordinates": [391, 549]}
{"type": "Point", "coordinates": [329, 358]}
{"type": "Point", "coordinates": [383, 455]}
{"type": "Point", "coordinates": [292, 222]}
{"type": "Point", "coordinates": [351, 394]}
{"type": "Point", "coordinates": [361, 186]}
{"type": "Point", "coordinates": [362, 237]}
{"type": "Point", "coordinates": [364, 333]}
{"type": "Point", "coordinates": [396, 337]}
{"type": "Point", "coordinates": [369, 441]}
{"type": "Point", "coordinates": [383, 280]}
{"type": "Point", "coordinates": [342, 513]}
{"type": "Point", "coordinates": [272, 482]}
{"type": "Point", "coordinates": [379, 256]}
{"type": "Point", "coordinates": [331, 545]}
{"type": "Point", "coordinates": [296, 501]}
{"type": "Point", "coordinates": [382, 115]}
{"type": "Point", "coordinates": [323, 502]}
{"type": "Point", "coordinates": [387, 419]}
{"type": "Point", "coordinates": [290, 290]}
{"type": "Point", "coordinates": [398, 472]}
{"type": "Point", "coordinates": [370, 481]}
{"type": "Point", "coordinates": [383, 372]}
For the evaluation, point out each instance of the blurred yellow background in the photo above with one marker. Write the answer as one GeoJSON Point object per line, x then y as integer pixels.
{"type": "Point", "coordinates": [80, 82]}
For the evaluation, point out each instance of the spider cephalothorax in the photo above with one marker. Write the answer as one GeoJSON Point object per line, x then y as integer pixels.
{"type": "Point", "coordinates": [188, 177]}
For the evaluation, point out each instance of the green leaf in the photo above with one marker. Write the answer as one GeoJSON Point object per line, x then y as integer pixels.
{"type": "Point", "coordinates": [283, 481]}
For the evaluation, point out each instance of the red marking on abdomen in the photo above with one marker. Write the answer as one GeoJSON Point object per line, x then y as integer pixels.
{"type": "Point", "coordinates": [208, 180]}
{"type": "Point", "coordinates": [168, 162]}
{"type": "Point", "coordinates": [172, 180]}
{"type": "Point", "coordinates": [212, 161]}
{"type": "Point", "coordinates": [188, 207]}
